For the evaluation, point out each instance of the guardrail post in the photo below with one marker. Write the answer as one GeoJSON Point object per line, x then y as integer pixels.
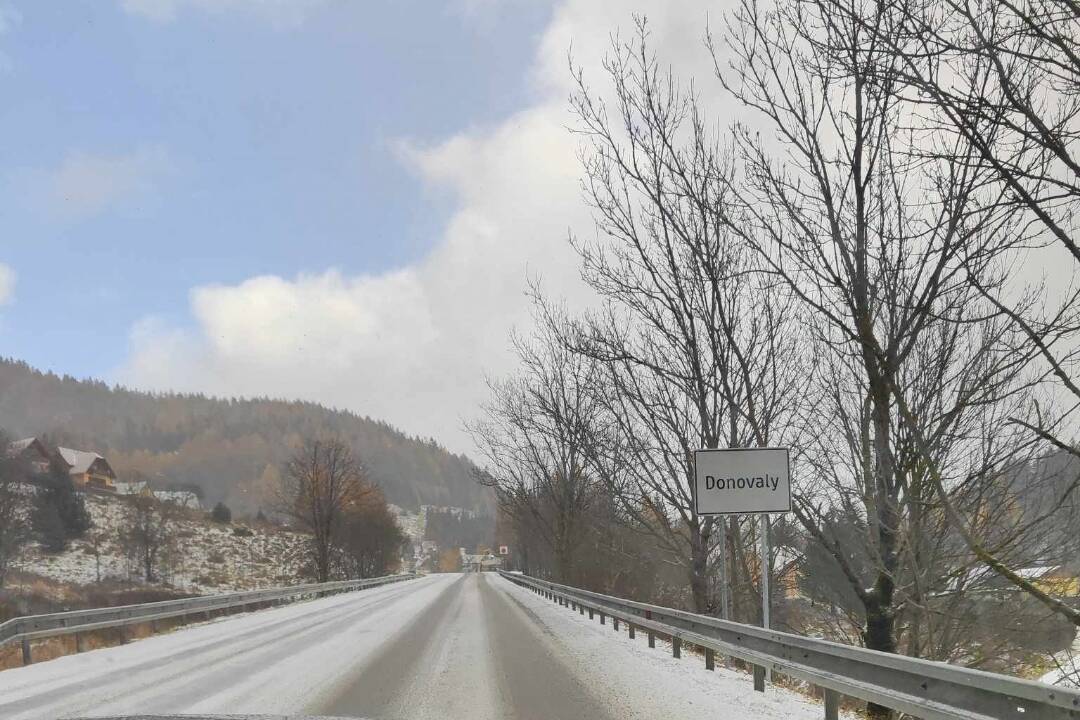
{"type": "Point", "coordinates": [832, 705]}
{"type": "Point", "coordinates": [759, 678]}
{"type": "Point", "coordinates": [630, 628]}
{"type": "Point", "coordinates": [652, 639]}
{"type": "Point", "coordinates": [26, 659]}
{"type": "Point", "coordinates": [602, 616]}
{"type": "Point", "coordinates": [615, 623]}
{"type": "Point", "coordinates": [590, 613]}
{"type": "Point", "coordinates": [78, 642]}
{"type": "Point", "coordinates": [676, 647]}
{"type": "Point", "coordinates": [581, 609]}
{"type": "Point", "coordinates": [710, 659]}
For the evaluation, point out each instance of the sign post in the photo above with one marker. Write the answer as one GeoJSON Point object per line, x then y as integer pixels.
{"type": "Point", "coordinates": [765, 594]}
{"type": "Point", "coordinates": [745, 480]}
{"type": "Point", "coordinates": [725, 612]}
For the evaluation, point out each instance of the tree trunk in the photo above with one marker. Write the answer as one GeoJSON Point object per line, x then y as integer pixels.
{"type": "Point", "coordinates": [699, 570]}
{"type": "Point", "coordinates": [564, 548]}
{"type": "Point", "coordinates": [880, 633]}
{"type": "Point", "coordinates": [322, 560]}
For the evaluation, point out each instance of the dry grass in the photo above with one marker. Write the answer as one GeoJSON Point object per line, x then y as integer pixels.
{"type": "Point", "coordinates": [28, 594]}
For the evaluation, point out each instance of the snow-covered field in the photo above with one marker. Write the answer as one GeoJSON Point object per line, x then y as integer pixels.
{"type": "Point", "coordinates": [206, 557]}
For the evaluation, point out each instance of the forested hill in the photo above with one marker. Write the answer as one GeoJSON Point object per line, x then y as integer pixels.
{"type": "Point", "coordinates": [231, 448]}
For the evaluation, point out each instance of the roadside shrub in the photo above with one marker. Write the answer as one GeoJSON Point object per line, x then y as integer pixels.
{"type": "Point", "coordinates": [221, 513]}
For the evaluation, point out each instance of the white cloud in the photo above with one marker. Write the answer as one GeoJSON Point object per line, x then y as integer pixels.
{"type": "Point", "coordinates": [281, 13]}
{"type": "Point", "coordinates": [86, 184]}
{"type": "Point", "coordinates": [10, 18]}
{"type": "Point", "coordinates": [7, 284]}
{"type": "Point", "coordinates": [413, 346]}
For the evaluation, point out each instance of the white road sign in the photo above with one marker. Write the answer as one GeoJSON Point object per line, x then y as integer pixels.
{"type": "Point", "coordinates": [744, 480]}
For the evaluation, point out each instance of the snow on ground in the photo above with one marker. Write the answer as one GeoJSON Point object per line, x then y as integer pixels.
{"type": "Point", "coordinates": [639, 682]}
{"type": "Point", "coordinates": [411, 523]}
{"type": "Point", "coordinates": [272, 661]}
{"type": "Point", "coordinates": [207, 557]}
{"type": "Point", "coordinates": [1067, 670]}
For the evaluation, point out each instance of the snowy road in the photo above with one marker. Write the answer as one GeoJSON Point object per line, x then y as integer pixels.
{"type": "Point", "coordinates": [444, 646]}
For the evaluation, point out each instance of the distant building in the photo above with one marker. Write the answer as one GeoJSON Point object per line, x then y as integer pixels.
{"type": "Point", "coordinates": [477, 563]}
{"type": "Point", "coordinates": [1054, 580]}
{"type": "Point", "coordinates": [132, 487]}
{"type": "Point", "coordinates": [33, 452]}
{"type": "Point", "coordinates": [89, 469]}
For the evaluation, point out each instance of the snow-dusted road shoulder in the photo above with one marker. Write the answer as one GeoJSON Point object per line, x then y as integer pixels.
{"type": "Point", "coordinates": [634, 681]}
{"type": "Point", "coordinates": [271, 661]}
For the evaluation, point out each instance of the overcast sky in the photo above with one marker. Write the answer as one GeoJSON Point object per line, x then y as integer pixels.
{"type": "Point", "coordinates": [332, 200]}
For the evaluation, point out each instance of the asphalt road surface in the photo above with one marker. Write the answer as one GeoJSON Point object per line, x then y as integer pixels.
{"type": "Point", "coordinates": [468, 647]}
{"type": "Point", "coordinates": [472, 655]}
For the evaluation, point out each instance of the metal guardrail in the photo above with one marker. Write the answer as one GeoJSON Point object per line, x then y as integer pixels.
{"type": "Point", "coordinates": [36, 627]}
{"type": "Point", "coordinates": [922, 688]}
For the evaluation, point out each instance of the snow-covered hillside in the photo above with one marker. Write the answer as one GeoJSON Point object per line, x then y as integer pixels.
{"type": "Point", "coordinates": [204, 557]}
{"type": "Point", "coordinates": [411, 523]}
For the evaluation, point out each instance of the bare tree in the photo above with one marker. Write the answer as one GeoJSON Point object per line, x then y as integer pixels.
{"type": "Point", "coordinates": [320, 483]}
{"type": "Point", "coordinates": [370, 539]}
{"type": "Point", "coordinates": [96, 539]}
{"type": "Point", "coordinates": [1002, 78]}
{"type": "Point", "coordinates": [699, 346]}
{"type": "Point", "coordinates": [879, 243]}
{"type": "Point", "coordinates": [537, 435]}
{"type": "Point", "coordinates": [148, 535]}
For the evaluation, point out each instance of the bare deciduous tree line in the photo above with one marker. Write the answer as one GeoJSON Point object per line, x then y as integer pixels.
{"type": "Point", "coordinates": [846, 270]}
